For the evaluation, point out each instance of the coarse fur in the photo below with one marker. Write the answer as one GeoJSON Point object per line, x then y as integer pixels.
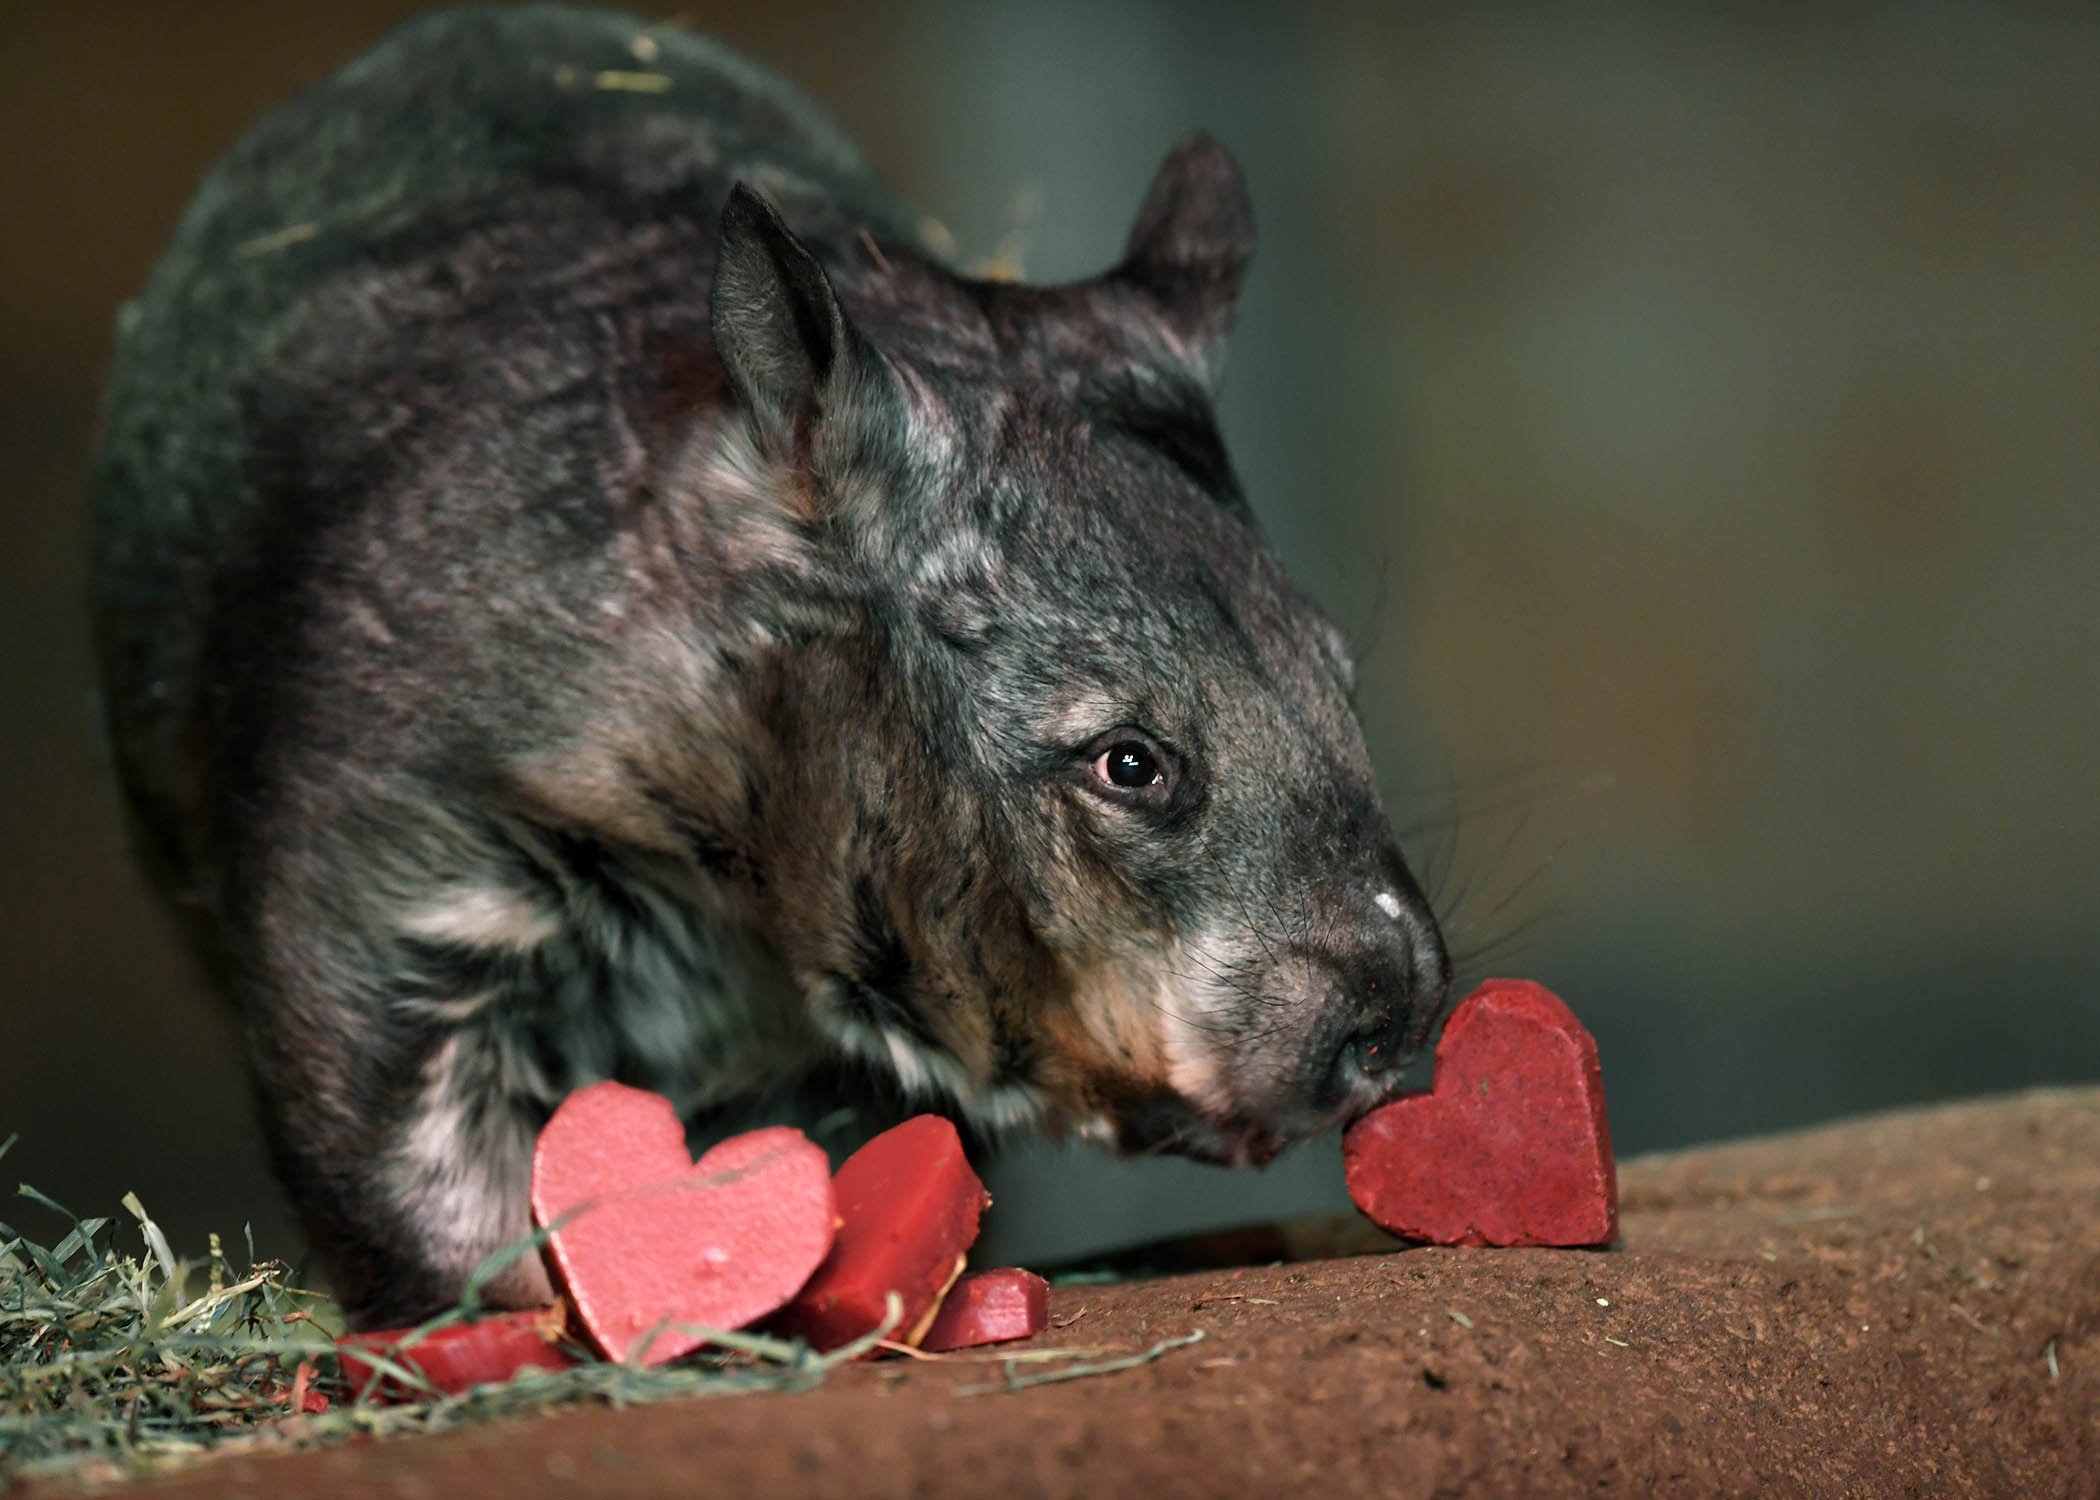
{"type": "Point", "coordinates": [584, 590]}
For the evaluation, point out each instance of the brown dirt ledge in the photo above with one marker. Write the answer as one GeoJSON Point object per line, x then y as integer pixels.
{"type": "Point", "coordinates": [1864, 1309]}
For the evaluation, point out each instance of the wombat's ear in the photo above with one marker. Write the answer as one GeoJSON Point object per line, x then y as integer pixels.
{"type": "Point", "coordinates": [1191, 245]}
{"type": "Point", "coordinates": [784, 342]}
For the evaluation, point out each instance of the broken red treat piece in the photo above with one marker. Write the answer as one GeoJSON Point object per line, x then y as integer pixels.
{"type": "Point", "coordinates": [908, 1211]}
{"type": "Point", "coordinates": [652, 1246]}
{"type": "Point", "coordinates": [989, 1307]}
{"type": "Point", "coordinates": [303, 1397]}
{"type": "Point", "coordinates": [457, 1356]}
{"type": "Point", "coordinates": [1509, 1147]}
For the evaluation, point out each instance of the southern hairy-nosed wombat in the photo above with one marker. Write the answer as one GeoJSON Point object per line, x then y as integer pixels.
{"type": "Point", "coordinates": [584, 590]}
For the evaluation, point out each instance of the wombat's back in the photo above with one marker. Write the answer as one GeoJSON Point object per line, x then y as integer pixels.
{"type": "Point", "coordinates": [543, 137]}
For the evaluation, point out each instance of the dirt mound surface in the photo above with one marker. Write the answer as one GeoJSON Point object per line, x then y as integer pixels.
{"type": "Point", "coordinates": [1904, 1305]}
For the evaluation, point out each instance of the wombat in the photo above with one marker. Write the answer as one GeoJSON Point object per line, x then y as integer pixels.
{"type": "Point", "coordinates": [584, 589]}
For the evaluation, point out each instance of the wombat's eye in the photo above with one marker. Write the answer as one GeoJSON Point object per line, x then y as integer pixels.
{"type": "Point", "coordinates": [1131, 765]}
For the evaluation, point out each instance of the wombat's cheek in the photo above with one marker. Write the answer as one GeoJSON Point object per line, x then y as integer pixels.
{"type": "Point", "coordinates": [1120, 1081]}
{"type": "Point", "coordinates": [1147, 1060]}
{"type": "Point", "coordinates": [1091, 1059]}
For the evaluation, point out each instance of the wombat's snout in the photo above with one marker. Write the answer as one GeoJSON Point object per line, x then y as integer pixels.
{"type": "Point", "coordinates": [1387, 980]}
{"type": "Point", "coordinates": [1394, 1005]}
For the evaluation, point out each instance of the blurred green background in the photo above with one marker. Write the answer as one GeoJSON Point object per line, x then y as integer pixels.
{"type": "Point", "coordinates": [1695, 418]}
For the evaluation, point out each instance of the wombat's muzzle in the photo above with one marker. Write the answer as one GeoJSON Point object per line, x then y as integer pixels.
{"type": "Point", "coordinates": [1380, 1003]}
{"type": "Point", "coordinates": [1390, 999]}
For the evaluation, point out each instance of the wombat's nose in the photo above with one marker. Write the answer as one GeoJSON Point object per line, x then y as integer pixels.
{"type": "Point", "coordinates": [1371, 1052]}
{"type": "Point", "coordinates": [1394, 1006]}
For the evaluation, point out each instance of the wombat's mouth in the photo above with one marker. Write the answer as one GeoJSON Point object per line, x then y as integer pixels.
{"type": "Point", "coordinates": [1166, 1124]}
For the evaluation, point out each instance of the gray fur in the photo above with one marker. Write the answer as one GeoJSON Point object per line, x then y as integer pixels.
{"type": "Point", "coordinates": [563, 615]}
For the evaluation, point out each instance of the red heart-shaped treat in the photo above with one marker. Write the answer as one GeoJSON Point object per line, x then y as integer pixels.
{"type": "Point", "coordinates": [642, 1236]}
{"type": "Point", "coordinates": [908, 1209]}
{"type": "Point", "coordinates": [1510, 1146]}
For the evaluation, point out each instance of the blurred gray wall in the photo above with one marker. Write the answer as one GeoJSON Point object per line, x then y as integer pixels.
{"type": "Point", "coordinates": [1695, 420]}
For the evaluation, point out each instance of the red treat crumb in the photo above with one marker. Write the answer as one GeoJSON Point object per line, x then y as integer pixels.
{"type": "Point", "coordinates": [990, 1307]}
{"type": "Point", "coordinates": [1510, 1147]}
{"type": "Point", "coordinates": [908, 1210]}
{"type": "Point", "coordinates": [457, 1356]}
{"type": "Point", "coordinates": [647, 1241]}
{"type": "Point", "coordinates": [303, 1397]}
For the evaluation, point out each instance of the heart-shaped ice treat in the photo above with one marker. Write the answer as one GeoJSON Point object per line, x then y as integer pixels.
{"type": "Point", "coordinates": [1510, 1146]}
{"type": "Point", "coordinates": [645, 1238]}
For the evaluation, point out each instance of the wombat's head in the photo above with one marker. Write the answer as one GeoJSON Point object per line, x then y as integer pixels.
{"type": "Point", "coordinates": [1070, 819]}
